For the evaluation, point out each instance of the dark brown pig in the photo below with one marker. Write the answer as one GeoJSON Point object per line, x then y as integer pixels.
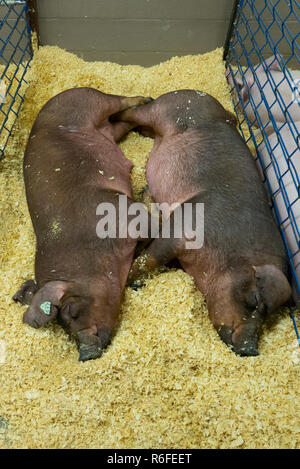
{"type": "Point", "coordinates": [72, 164]}
{"type": "Point", "coordinates": [199, 157]}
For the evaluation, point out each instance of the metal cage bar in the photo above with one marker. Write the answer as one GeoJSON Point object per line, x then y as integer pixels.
{"type": "Point", "coordinates": [15, 56]}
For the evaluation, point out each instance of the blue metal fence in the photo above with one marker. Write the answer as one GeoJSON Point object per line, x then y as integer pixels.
{"type": "Point", "coordinates": [263, 53]}
{"type": "Point", "coordinates": [15, 56]}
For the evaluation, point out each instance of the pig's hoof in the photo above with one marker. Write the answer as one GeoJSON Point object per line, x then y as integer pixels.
{"type": "Point", "coordinates": [144, 100]}
{"type": "Point", "coordinates": [25, 294]}
{"type": "Point", "coordinates": [141, 101]}
{"type": "Point", "coordinates": [144, 191]}
{"type": "Point", "coordinates": [136, 285]}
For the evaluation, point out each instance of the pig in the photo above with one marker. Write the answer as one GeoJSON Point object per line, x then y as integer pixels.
{"type": "Point", "coordinates": [72, 164]}
{"type": "Point", "coordinates": [199, 157]}
{"type": "Point", "coordinates": [280, 159]}
{"type": "Point", "coordinates": [273, 93]}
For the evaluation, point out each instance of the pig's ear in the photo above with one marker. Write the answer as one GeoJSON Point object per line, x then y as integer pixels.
{"type": "Point", "coordinates": [45, 303]}
{"type": "Point", "coordinates": [273, 285]}
{"type": "Point", "coordinates": [273, 63]}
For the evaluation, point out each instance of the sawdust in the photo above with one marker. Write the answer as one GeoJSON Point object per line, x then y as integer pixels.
{"type": "Point", "coordinates": [166, 381]}
{"type": "Point", "coordinates": [55, 229]}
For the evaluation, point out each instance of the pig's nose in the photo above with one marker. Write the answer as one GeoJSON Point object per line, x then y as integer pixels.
{"type": "Point", "coordinates": [245, 340]}
{"type": "Point", "coordinates": [225, 333]}
{"type": "Point", "coordinates": [247, 348]}
{"type": "Point", "coordinates": [91, 346]}
{"type": "Point", "coordinates": [89, 352]}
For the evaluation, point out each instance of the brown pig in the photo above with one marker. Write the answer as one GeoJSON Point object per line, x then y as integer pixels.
{"type": "Point", "coordinates": [199, 157]}
{"type": "Point", "coordinates": [71, 165]}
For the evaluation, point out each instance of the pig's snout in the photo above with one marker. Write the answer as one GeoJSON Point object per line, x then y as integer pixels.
{"type": "Point", "coordinates": [91, 346]}
{"type": "Point", "coordinates": [243, 341]}
{"type": "Point", "coordinates": [246, 346]}
{"type": "Point", "coordinates": [89, 352]}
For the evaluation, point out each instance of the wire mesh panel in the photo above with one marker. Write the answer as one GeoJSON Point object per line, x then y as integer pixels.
{"type": "Point", "coordinates": [262, 57]}
{"type": "Point", "coordinates": [15, 56]}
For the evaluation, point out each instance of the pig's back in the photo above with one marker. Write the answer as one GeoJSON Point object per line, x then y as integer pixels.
{"type": "Point", "coordinates": [215, 167]}
{"type": "Point", "coordinates": [66, 176]}
{"type": "Point", "coordinates": [213, 159]}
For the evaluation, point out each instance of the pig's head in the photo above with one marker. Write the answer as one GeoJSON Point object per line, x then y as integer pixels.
{"type": "Point", "coordinates": [240, 302]}
{"type": "Point", "coordinates": [86, 317]}
{"type": "Point", "coordinates": [245, 82]}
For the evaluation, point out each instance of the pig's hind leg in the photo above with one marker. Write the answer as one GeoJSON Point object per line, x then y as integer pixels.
{"type": "Point", "coordinates": [140, 115]}
{"type": "Point", "coordinates": [121, 127]}
{"type": "Point", "coordinates": [165, 247]}
{"type": "Point", "coordinates": [160, 252]}
{"type": "Point", "coordinates": [120, 130]}
{"type": "Point", "coordinates": [25, 294]}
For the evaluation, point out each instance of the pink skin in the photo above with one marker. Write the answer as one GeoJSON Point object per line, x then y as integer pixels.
{"type": "Point", "coordinates": [199, 157]}
{"type": "Point", "coordinates": [273, 74]}
{"type": "Point", "coordinates": [289, 174]}
{"type": "Point", "coordinates": [71, 164]}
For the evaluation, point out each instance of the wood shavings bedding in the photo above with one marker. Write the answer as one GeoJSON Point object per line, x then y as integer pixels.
{"type": "Point", "coordinates": [167, 381]}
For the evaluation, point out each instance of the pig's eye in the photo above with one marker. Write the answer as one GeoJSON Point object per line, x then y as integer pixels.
{"type": "Point", "coordinates": [252, 300]}
{"type": "Point", "coordinates": [70, 310]}
{"type": "Point", "coordinates": [74, 310]}
{"type": "Point", "coordinates": [65, 309]}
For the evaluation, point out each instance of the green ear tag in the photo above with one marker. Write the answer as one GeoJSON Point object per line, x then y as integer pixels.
{"type": "Point", "coordinates": [46, 307]}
